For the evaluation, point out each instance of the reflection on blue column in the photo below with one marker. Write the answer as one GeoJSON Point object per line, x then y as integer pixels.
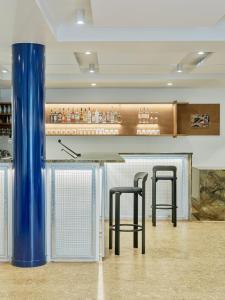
{"type": "Point", "coordinates": [28, 79]}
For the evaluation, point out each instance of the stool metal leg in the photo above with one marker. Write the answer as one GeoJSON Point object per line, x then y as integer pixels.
{"type": "Point", "coordinates": [135, 212]}
{"type": "Point", "coordinates": [174, 203]}
{"type": "Point", "coordinates": [117, 224]}
{"type": "Point", "coordinates": [154, 202]}
{"type": "Point", "coordinates": [143, 223]}
{"type": "Point", "coordinates": [110, 219]}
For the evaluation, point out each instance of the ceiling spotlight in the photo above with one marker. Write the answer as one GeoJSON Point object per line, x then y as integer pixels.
{"type": "Point", "coordinates": [91, 68]}
{"type": "Point", "coordinates": [179, 68]}
{"type": "Point", "coordinates": [93, 84]}
{"type": "Point", "coordinates": [169, 83]}
{"type": "Point", "coordinates": [80, 16]}
{"type": "Point", "coordinates": [4, 71]}
{"type": "Point", "coordinates": [201, 53]}
{"type": "Point", "coordinates": [88, 52]}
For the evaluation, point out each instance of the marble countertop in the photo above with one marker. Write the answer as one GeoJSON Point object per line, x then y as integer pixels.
{"type": "Point", "coordinates": [91, 158]}
{"type": "Point", "coordinates": [99, 158]}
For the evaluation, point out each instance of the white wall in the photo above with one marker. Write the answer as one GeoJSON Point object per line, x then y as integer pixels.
{"type": "Point", "coordinates": [208, 151]}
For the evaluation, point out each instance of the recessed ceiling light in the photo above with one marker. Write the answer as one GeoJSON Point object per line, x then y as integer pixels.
{"type": "Point", "coordinates": [201, 52]}
{"type": "Point", "coordinates": [169, 83]}
{"type": "Point", "coordinates": [88, 52]}
{"type": "Point", "coordinates": [93, 84]}
{"type": "Point", "coordinates": [91, 68]}
{"type": "Point", "coordinates": [4, 71]}
{"type": "Point", "coordinates": [80, 16]}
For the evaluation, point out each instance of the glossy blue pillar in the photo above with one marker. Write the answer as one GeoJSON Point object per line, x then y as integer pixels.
{"type": "Point", "coordinates": [28, 80]}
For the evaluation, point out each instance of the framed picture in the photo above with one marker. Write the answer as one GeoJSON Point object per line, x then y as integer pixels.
{"type": "Point", "coordinates": [200, 120]}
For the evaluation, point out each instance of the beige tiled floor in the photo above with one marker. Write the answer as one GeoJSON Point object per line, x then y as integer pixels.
{"type": "Point", "coordinates": [180, 264]}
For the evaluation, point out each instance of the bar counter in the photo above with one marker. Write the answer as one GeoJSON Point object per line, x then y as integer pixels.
{"type": "Point", "coordinates": [77, 199]}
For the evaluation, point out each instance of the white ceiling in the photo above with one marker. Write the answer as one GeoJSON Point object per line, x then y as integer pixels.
{"type": "Point", "coordinates": [130, 53]}
{"type": "Point", "coordinates": [157, 13]}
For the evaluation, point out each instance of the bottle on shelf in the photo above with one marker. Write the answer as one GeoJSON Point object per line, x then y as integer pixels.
{"type": "Point", "coordinates": [9, 109]}
{"type": "Point", "coordinates": [68, 116]}
{"type": "Point", "coordinates": [85, 115]}
{"type": "Point", "coordinates": [77, 116]}
{"type": "Point", "coordinates": [96, 116]}
{"type": "Point", "coordinates": [55, 117]}
{"type": "Point", "coordinates": [104, 117]}
{"type": "Point", "coordinates": [112, 116]}
{"type": "Point", "coordinates": [115, 117]}
{"type": "Point", "coordinates": [60, 116]}
{"type": "Point", "coordinates": [89, 116]}
{"type": "Point", "coordinates": [63, 116]}
{"type": "Point", "coordinates": [147, 115]}
{"type": "Point", "coordinates": [108, 115]}
{"type": "Point", "coordinates": [0, 109]}
{"type": "Point", "coordinates": [100, 117]}
{"type": "Point", "coordinates": [93, 120]}
{"type": "Point", "coordinates": [51, 117]}
{"type": "Point", "coordinates": [119, 117]}
{"type": "Point", "coordinates": [151, 120]}
{"type": "Point", "coordinates": [81, 115]}
{"type": "Point", "coordinates": [72, 116]}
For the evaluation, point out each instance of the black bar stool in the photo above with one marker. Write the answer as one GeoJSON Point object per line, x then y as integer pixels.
{"type": "Point", "coordinates": [173, 179]}
{"type": "Point", "coordinates": [136, 190]}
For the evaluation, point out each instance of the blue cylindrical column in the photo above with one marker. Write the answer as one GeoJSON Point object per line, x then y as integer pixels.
{"type": "Point", "coordinates": [28, 80]}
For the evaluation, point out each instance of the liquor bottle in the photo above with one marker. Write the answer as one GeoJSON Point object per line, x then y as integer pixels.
{"type": "Point", "coordinates": [55, 117]}
{"type": "Point", "coordinates": [72, 117]}
{"type": "Point", "coordinates": [9, 109]}
{"type": "Point", "coordinates": [68, 116]}
{"type": "Point", "coordinates": [112, 116]}
{"type": "Point", "coordinates": [108, 120]}
{"type": "Point", "coordinates": [141, 115]}
{"type": "Point", "coordinates": [93, 117]}
{"type": "Point", "coordinates": [147, 115]}
{"type": "Point", "coordinates": [96, 116]}
{"type": "Point", "coordinates": [5, 109]}
{"type": "Point", "coordinates": [51, 117]}
{"type": "Point", "coordinates": [63, 116]}
{"type": "Point", "coordinates": [59, 117]}
{"type": "Point", "coordinates": [81, 115]}
{"type": "Point", "coordinates": [151, 118]}
{"type": "Point", "coordinates": [100, 119]}
{"type": "Point", "coordinates": [103, 117]}
{"type": "Point", "coordinates": [119, 118]}
{"type": "Point", "coordinates": [89, 115]}
{"type": "Point", "coordinates": [77, 116]}
{"type": "Point", "coordinates": [85, 115]}
{"type": "Point", "coordinates": [0, 109]}
{"type": "Point", "coordinates": [115, 117]}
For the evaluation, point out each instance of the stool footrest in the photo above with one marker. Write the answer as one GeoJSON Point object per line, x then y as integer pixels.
{"type": "Point", "coordinates": [165, 206]}
{"type": "Point", "coordinates": [128, 230]}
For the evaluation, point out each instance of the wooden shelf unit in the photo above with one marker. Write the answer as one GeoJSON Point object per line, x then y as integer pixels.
{"type": "Point", "coordinates": [174, 119]}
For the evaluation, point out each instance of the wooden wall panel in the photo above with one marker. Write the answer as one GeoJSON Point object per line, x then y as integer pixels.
{"type": "Point", "coordinates": [184, 112]}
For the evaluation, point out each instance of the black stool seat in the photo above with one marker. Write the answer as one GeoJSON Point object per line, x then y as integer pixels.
{"type": "Point", "coordinates": [173, 178]}
{"type": "Point", "coordinates": [128, 189]}
{"type": "Point", "coordinates": [137, 191]}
